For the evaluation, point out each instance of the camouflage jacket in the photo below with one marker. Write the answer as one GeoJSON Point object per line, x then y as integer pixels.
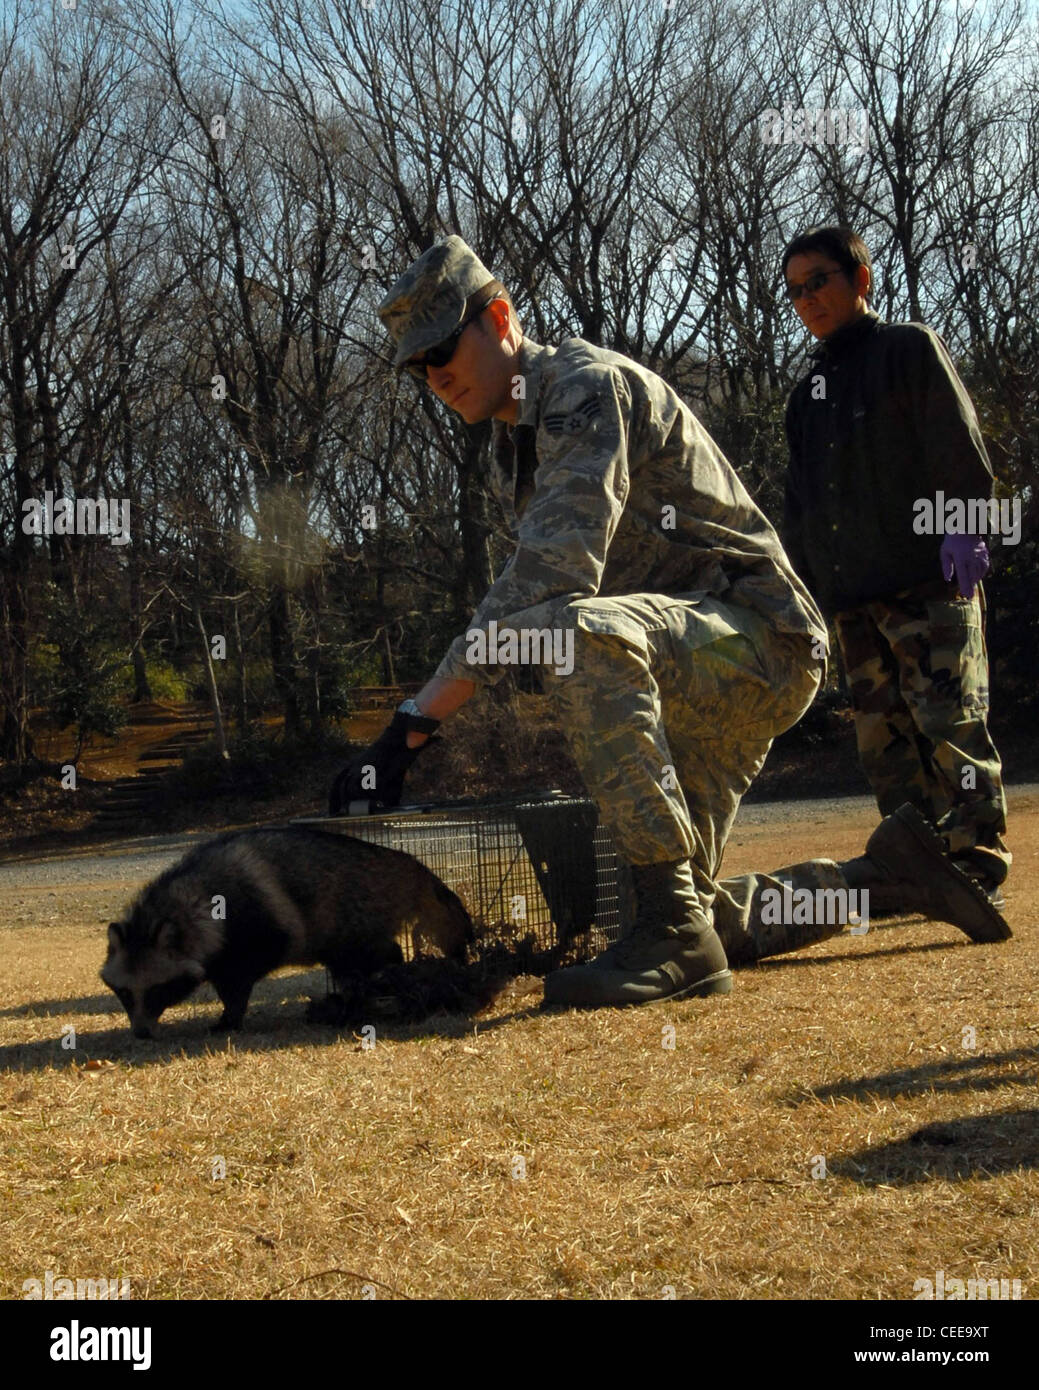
{"type": "Point", "coordinates": [612, 486]}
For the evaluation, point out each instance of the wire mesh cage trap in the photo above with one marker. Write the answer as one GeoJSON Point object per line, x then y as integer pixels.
{"type": "Point", "coordinates": [540, 869]}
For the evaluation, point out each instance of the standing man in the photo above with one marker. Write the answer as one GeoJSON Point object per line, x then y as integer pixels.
{"type": "Point", "coordinates": [881, 421]}
{"type": "Point", "coordinates": [691, 641]}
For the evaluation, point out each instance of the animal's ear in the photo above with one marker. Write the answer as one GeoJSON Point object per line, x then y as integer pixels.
{"type": "Point", "coordinates": [116, 936]}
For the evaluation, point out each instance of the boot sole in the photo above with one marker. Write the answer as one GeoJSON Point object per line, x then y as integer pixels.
{"type": "Point", "coordinates": [718, 983]}
{"type": "Point", "coordinates": [882, 914]}
{"type": "Point", "coordinates": [975, 913]}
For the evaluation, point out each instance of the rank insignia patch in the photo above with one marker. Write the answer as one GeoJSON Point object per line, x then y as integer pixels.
{"type": "Point", "coordinates": [574, 421]}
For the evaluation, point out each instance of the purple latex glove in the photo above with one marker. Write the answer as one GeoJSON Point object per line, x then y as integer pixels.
{"type": "Point", "coordinates": [968, 556]}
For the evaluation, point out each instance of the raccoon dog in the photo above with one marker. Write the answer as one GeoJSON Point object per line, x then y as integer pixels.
{"type": "Point", "coordinates": [236, 908]}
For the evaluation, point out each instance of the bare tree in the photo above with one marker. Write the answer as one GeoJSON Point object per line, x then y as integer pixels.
{"type": "Point", "coordinates": [78, 140]}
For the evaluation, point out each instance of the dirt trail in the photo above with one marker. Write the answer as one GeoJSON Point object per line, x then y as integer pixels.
{"type": "Point", "coordinates": [766, 835]}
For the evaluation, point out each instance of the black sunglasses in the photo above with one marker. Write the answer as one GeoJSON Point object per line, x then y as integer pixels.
{"type": "Point", "coordinates": [441, 353]}
{"type": "Point", "coordinates": [813, 283]}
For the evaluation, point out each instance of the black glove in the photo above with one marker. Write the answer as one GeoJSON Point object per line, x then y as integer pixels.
{"type": "Point", "coordinates": [390, 757]}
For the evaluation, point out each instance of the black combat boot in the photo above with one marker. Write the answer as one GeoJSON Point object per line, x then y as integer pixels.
{"type": "Point", "coordinates": [986, 870]}
{"type": "Point", "coordinates": [672, 950]}
{"type": "Point", "coordinates": [906, 869]}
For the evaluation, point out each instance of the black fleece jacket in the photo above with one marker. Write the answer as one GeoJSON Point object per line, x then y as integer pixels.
{"type": "Point", "coordinates": [880, 420]}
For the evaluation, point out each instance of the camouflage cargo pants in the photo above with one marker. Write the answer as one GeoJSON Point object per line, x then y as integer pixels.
{"type": "Point", "coordinates": [917, 669]}
{"type": "Point", "coordinates": [670, 711]}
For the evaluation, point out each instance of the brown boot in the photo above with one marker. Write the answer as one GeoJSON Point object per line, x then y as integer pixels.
{"type": "Point", "coordinates": [673, 949]}
{"type": "Point", "coordinates": [914, 874]}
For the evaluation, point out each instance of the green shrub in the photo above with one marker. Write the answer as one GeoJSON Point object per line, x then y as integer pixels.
{"type": "Point", "coordinates": [260, 763]}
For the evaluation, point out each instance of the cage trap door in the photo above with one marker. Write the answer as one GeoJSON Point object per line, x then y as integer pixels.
{"type": "Point", "coordinates": [560, 842]}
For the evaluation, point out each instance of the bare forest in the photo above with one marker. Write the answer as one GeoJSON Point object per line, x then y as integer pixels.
{"type": "Point", "coordinates": [201, 206]}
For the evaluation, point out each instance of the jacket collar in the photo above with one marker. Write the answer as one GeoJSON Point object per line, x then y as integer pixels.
{"type": "Point", "coordinates": [847, 337]}
{"type": "Point", "coordinates": [533, 359]}
{"type": "Point", "coordinates": [513, 452]}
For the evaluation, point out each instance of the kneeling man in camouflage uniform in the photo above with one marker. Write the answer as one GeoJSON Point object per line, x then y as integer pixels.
{"type": "Point", "coordinates": [693, 642]}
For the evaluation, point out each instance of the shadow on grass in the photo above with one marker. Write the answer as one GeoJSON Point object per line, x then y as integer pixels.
{"type": "Point", "coordinates": [270, 990]}
{"type": "Point", "coordinates": [1001, 1141]}
{"type": "Point", "coordinates": [974, 1146]}
{"type": "Point", "coordinates": [281, 1014]}
{"type": "Point", "coordinates": [794, 961]}
{"type": "Point", "coordinates": [289, 987]}
{"type": "Point", "coordinates": [957, 1074]}
{"type": "Point", "coordinates": [266, 1032]}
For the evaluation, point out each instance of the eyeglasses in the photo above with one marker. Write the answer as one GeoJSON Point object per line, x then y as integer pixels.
{"type": "Point", "coordinates": [813, 283]}
{"type": "Point", "coordinates": [440, 355]}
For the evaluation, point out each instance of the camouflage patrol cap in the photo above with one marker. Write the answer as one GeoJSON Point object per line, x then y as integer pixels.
{"type": "Point", "coordinates": [431, 298]}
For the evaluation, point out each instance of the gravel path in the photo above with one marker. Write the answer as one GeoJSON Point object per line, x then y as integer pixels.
{"type": "Point", "coordinates": [137, 861]}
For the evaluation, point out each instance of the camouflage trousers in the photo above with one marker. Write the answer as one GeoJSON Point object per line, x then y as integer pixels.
{"type": "Point", "coordinates": [670, 711]}
{"type": "Point", "coordinates": [917, 669]}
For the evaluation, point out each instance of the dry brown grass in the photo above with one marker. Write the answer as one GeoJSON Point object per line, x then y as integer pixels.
{"type": "Point", "coordinates": [645, 1167]}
